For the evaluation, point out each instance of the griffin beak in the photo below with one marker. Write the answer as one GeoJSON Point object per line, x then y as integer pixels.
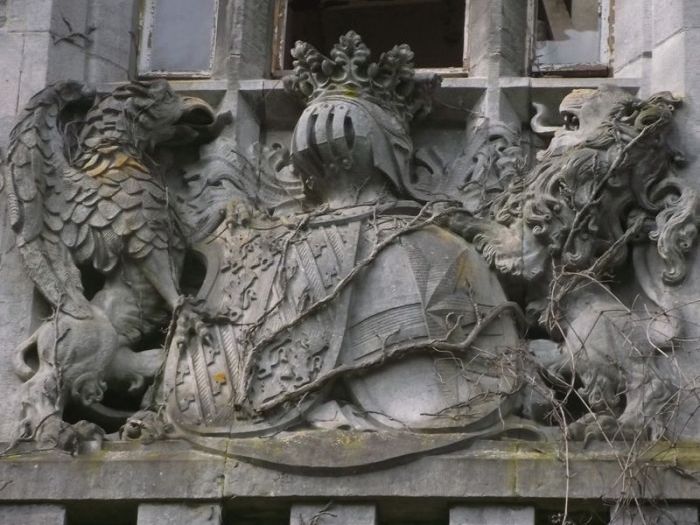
{"type": "Point", "coordinates": [196, 113]}
{"type": "Point", "coordinates": [200, 117]}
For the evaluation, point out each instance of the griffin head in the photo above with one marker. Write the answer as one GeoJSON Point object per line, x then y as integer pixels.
{"type": "Point", "coordinates": [143, 115]}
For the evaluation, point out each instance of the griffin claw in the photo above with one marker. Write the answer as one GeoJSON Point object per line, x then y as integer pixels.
{"type": "Point", "coordinates": [191, 323]}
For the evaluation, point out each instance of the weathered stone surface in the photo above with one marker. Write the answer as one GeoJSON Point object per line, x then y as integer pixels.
{"type": "Point", "coordinates": [11, 66]}
{"type": "Point", "coordinates": [179, 514]}
{"type": "Point", "coordinates": [333, 514]}
{"type": "Point", "coordinates": [661, 514]}
{"type": "Point", "coordinates": [671, 17]}
{"type": "Point", "coordinates": [506, 471]}
{"type": "Point", "coordinates": [111, 50]}
{"type": "Point", "coordinates": [633, 41]}
{"type": "Point", "coordinates": [493, 515]}
{"type": "Point", "coordinates": [32, 515]}
{"type": "Point", "coordinates": [29, 15]}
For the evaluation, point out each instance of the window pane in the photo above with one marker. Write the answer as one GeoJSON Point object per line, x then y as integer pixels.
{"type": "Point", "coordinates": [568, 32]}
{"type": "Point", "coordinates": [178, 37]}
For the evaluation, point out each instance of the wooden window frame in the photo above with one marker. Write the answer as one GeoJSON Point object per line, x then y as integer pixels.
{"type": "Point", "coordinates": [602, 68]}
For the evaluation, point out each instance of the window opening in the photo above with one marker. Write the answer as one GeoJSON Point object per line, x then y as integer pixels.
{"type": "Point", "coordinates": [177, 38]}
{"type": "Point", "coordinates": [571, 36]}
{"type": "Point", "coordinates": [433, 28]}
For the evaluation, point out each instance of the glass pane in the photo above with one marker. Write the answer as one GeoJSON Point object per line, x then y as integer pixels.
{"type": "Point", "coordinates": [568, 32]}
{"type": "Point", "coordinates": [178, 37]}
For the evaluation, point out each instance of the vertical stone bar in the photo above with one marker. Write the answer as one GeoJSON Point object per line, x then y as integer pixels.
{"type": "Point", "coordinates": [333, 515]}
{"type": "Point", "coordinates": [113, 46]}
{"type": "Point", "coordinates": [179, 514]}
{"type": "Point", "coordinates": [38, 45]}
{"type": "Point", "coordinates": [675, 67]}
{"type": "Point", "coordinates": [659, 515]}
{"type": "Point", "coordinates": [492, 515]}
{"type": "Point", "coordinates": [633, 40]}
{"type": "Point", "coordinates": [32, 515]}
{"type": "Point", "coordinates": [24, 38]}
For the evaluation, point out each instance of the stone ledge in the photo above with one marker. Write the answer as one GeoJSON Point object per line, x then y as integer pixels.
{"type": "Point", "coordinates": [499, 471]}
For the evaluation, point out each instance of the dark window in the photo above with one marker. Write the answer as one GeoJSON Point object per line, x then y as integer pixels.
{"type": "Point", "coordinates": [433, 28]}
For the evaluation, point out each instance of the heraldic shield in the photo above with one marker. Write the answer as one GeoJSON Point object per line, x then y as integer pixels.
{"type": "Point", "coordinates": [295, 302]}
{"type": "Point", "coordinates": [265, 341]}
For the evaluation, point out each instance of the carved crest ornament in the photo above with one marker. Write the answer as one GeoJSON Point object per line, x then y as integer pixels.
{"type": "Point", "coordinates": [349, 285]}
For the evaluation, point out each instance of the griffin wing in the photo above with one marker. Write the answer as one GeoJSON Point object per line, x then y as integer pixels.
{"type": "Point", "coordinates": [41, 196]}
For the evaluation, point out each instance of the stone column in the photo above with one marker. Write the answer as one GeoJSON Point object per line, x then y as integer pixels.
{"type": "Point", "coordinates": [333, 515]}
{"type": "Point", "coordinates": [112, 47]}
{"type": "Point", "coordinates": [633, 41]}
{"type": "Point", "coordinates": [32, 515]}
{"type": "Point", "coordinates": [497, 41]}
{"type": "Point", "coordinates": [179, 514]}
{"type": "Point", "coordinates": [492, 515]}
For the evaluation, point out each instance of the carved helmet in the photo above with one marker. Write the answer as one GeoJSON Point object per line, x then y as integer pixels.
{"type": "Point", "coordinates": [358, 112]}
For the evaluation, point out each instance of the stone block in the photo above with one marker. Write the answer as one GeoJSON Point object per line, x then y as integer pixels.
{"type": "Point", "coordinates": [331, 514]}
{"type": "Point", "coordinates": [32, 515]}
{"type": "Point", "coordinates": [513, 38]}
{"type": "Point", "coordinates": [673, 16]}
{"type": "Point", "coordinates": [657, 515]}
{"type": "Point", "coordinates": [632, 30]}
{"type": "Point", "coordinates": [479, 35]}
{"type": "Point", "coordinates": [492, 515]}
{"type": "Point", "coordinates": [29, 15]}
{"type": "Point", "coordinates": [112, 43]}
{"type": "Point", "coordinates": [667, 71]}
{"type": "Point", "coordinates": [179, 514]}
{"type": "Point", "coordinates": [634, 69]}
{"type": "Point", "coordinates": [67, 49]}
{"type": "Point", "coordinates": [16, 314]}
{"type": "Point", "coordinates": [34, 66]}
{"type": "Point", "coordinates": [251, 42]}
{"type": "Point", "coordinates": [10, 67]}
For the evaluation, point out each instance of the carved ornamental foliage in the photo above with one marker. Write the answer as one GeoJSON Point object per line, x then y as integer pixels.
{"type": "Point", "coordinates": [348, 285]}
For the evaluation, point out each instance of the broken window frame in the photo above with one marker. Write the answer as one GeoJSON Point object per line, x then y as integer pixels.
{"type": "Point", "coordinates": [601, 68]}
{"type": "Point", "coordinates": [145, 26]}
{"type": "Point", "coordinates": [279, 45]}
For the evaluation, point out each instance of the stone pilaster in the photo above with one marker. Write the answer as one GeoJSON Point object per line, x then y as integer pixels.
{"type": "Point", "coordinates": [333, 514]}
{"type": "Point", "coordinates": [179, 514]}
{"type": "Point", "coordinates": [32, 515]}
{"type": "Point", "coordinates": [492, 515]}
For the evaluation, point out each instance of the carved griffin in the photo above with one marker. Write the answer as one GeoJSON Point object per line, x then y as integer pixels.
{"type": "Point", "coordinates": [89, 204]}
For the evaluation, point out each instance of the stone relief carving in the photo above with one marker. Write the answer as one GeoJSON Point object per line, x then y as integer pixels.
{"type": "Point", "coordinates": [350, 282]}
{"type": "Point", "coordinates": [602, 188]}
{"type": "Point", "coordinates": [89, 195]}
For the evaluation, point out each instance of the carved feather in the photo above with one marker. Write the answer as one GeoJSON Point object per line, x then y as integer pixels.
{"type": "Point", "coordinates": [35, 186]}
{"type": "Point", "coordinates": [100, 206]}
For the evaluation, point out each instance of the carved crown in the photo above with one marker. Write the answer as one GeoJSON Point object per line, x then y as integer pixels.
{"type": "Point", "coordinates": [390, 82]}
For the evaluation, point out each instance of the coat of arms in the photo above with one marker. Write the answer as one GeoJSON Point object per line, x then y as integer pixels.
{"type": "Point", "coordinates": [350, 282]}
